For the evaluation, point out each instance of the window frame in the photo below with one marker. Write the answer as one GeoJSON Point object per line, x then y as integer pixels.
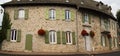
{"type": "Point", "coordinates": [69, 37]}
{"type": "Point", "coordinates": [52, 14]}
{"type": "Point", "coordinates": [21, 11]}
{"type": "Point", "coordinates": [13, 35]}
{"type": "Point", "coordinates": [67, 15]}
{"type": "Point", "coordinates": [86, 18]}
{"type": "Point", "coordinates": [52, 40]}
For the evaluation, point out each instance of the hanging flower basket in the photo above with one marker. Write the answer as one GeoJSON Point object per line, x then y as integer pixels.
{"type": "Point", "coordinates": [84, 33]}
{"type": "Point", "coordinates": [41, 32]}
{"type": "Point", "coordinates": [92, 34]}
{"type": "Point", "coordinates": [109, 35]}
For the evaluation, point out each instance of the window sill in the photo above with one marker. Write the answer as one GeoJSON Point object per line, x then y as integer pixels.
{"type": "Point", "coordinates": [13, 41]}
{"type": "Point", "coordinates": [69, 43]}
{"type": "Point", "coordinates": [86, 25]}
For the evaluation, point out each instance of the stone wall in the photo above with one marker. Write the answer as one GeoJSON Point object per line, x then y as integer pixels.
{"type": "Point", "coordinates": [37, 19]}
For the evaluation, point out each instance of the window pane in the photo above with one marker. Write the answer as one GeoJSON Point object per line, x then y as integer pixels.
{"type": "Point", "coordinates": [52, 14]}
{"type": "Point", "coordinates": [67, 14]}
{"type": "Point", "coordinates": [21, 14]}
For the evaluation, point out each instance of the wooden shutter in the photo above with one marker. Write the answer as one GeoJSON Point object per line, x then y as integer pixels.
{"type": "Point", "coordinates": [58, 37]}
{"type": "Point", "coordinates": [28, 43]}
{"type": "Point", "coordinates": [83, 17]}
{"type": "Point", "coordinates": [73, 15]}
{"type": "Point", "coordinates": [26, 14]}
{"type": "Point", "coordinates": [89, 16]}
{"type": "Point", "coordinates": [47, 12]}
{"type": "Point", "coordinates": [73, 38]}
{"type": "Point", "coordinates": [101, 41]}
{"type": "Point", "coordinates": [16, 14]}
{"type": "Point", "coordinates": [63, 38]}
{"type": "Point", "coordinates": [18, 35]}
{"type": "Point", "coordinates": [57, 14]}
{"type": "Point", "coordinates": [63, 15]}
{"type": "Point", "coordinates": [47, 37]}
{"type": "Point", "coordinates": [110, 43]}
{"type": "Point", "coordinates": [8, 34]}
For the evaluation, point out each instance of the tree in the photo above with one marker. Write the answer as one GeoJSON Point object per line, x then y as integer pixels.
{"type": "Point", "coordinates": [118, 17]}
{"type": "Point", "coordinates": [5, 25]}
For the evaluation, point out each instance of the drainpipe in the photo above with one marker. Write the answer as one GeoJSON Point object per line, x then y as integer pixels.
{"type": "Point", "coordinates": [77, 36]}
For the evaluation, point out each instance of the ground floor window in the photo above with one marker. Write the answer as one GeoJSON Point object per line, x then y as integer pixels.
{"type": "Point", "coordinates": [69, 37]}
{"type": "Point", "coordinates": [103, 41]}
{"type": "Point", "coordinates": [13, 35]}
{"type": "Point", "coordinates": [52, 37]}
{"type": "Point", "coordinates": [88, 42]}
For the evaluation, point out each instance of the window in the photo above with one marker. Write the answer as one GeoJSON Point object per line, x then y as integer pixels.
{"type": "Point", "coordinates": [103, 41]}
{"type": "Point", "coordinates": [52, 37]}
{"type": "Point", "coordinates": [52, 14]}
{"type": "Point", "coordinates": [85, 18]}
{"type": "Point", "coordinates": [68, 37]}
{"type": "Point", "coordinates": [21, 14]}
{"type": "Point", "coordinates": [67, 14]}
{"type": "Point", "coordinates": [13, 35]}
{"type": "Point", "coordinates": [116, 42]}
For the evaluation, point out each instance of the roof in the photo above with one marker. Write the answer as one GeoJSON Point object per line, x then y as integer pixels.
{"type": "Point", "coordinates": [87, 4]}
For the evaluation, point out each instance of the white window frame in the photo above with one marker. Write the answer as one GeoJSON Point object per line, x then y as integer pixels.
{"type": "Point", "coordinates": [52, 14]}
{"type": "Point", "coordinates": [68, 37]}
{"type": "Point", "coordinates": [103, 41]}
{"type": "Point", "coordinates": [13, 36]}
{"type": "Point", "coordinates": [67, 15]}
{"type": "Point", "coordinates": [21, 14]}
{"type": "Point", "coordinates": [116, 44]}
{"type": "Point", "coordinates": [52, 37]}
{"type": "Point", "coordinates": [86, 18]}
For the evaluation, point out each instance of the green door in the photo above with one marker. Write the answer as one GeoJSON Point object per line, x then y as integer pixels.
{"type": "Point", "coordinates": [28, 42]}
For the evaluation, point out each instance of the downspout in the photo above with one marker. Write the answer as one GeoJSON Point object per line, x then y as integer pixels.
{"type": "Point", "coordinates": [77, 36]}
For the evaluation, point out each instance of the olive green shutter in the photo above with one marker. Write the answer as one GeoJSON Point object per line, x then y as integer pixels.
{"type": "Point", "coordinates": [83, 17]}
{"type": "Point", "coordinates": [47, 37]}
{"type": "Point", "coordinates": [18, 35]}
{"type": "Point", "coordinates": [63, 38]}
{"type": "Point", "coordinates": [114, 41]}
{"type": "Point", "coordinates": [89, 16]}
{"type": "Point", "coordinates": [28, 43]}
{"type": "Point", "coordinates": [26, 14]}
{"type": "Point", "coordinates": [47, 14]}
{"type": "Point", "coordinates": [8, 34]}
{"type": "Point", "coordinates": [58, 37]}
{"type": "Point", "coordinates": [101, 40]}
{"type": "Point", "coordinates": [73, 38]}
{"type": "Point", "coordinates": [118, 42]}
{"type": "Point", "coordinates": [57, 14]}
{"type": "Point", "coordinates": [72, 15]}
{"type": "Point", "coordinates": [63, 15]}
{"type": "Point", "coordinates": [110, 43]}
{"type": "Point", "coordinates": [16, 14]}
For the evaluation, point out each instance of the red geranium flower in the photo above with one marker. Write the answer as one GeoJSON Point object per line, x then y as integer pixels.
{"type": "Point", "coordinates": [41, 32]}
{"type": "Point", "coordinates": [84, 33]}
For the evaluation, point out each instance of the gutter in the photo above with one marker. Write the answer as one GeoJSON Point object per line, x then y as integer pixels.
{"type": "Point", "coordinates": [77, 45]}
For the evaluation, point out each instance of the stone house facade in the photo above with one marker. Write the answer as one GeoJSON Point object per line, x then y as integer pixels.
{"type": "Point", "coordinates": [67, 25]}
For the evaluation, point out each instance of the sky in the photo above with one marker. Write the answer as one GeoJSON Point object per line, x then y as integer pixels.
{"type": "Point", "coordinates": [113, 3]}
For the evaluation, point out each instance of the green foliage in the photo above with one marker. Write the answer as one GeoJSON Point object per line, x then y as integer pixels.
{"type": "Point", "coordinates": [5, 25]}
{"type": "Point", "coordinates": [118, 16]}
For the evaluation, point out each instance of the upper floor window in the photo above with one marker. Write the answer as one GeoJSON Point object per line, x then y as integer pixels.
{"type": "Point", "coordinates": [13, 35]}
{"type": "Point", "coordinates": [52, 14]}
{"type": "Point", "coordinates": [21, 14]}
{"type": "Point", "coordinates": [67, 14]}
{"type": "Point", "coordinates": [68, 37]}
{"type": "Point", "coordinates": [52, 37]}
{"type": "Point", "coordinates": [86, 18]}
{"type": "Point", "coordinates": [18, 0]}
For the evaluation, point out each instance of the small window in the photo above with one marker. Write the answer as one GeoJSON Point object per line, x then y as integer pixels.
{"type": "Point", "coordinates": [52, 37]}
{"type": "Point", "coordinates": [18, 0]}
{"type": "Point", "coordinates": [52, 14]}
{"type": "Point", "coordinates": [67, 14]}
{"type": "Point", "coordinates": [21, 14]}
{"type": "Point", "coordinates": [68, 37]}
{"type": "Point", "coordinates": [86, 18]}
{"type": "Point", "coordinates": [13, 35]}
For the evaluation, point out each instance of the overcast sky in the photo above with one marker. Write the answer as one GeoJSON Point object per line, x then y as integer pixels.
{"type": "Point", "coordinates": [115, 4]}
